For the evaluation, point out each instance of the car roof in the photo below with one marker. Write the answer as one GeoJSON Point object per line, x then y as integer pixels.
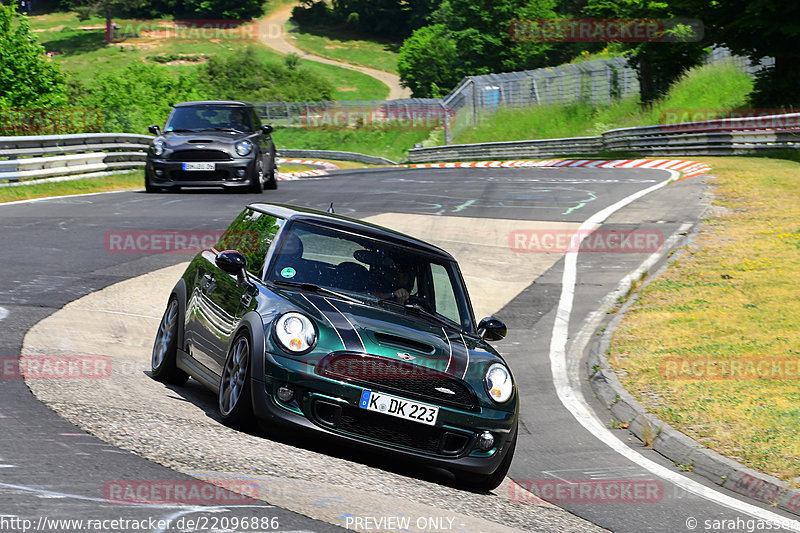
{"type": "Point", "coordinates": [213, 102]}
{"type": "Point", "coordinates": [295, 213]}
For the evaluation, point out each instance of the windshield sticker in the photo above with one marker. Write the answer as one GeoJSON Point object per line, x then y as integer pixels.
{"type": "Point", "coordinates": [288, 272]}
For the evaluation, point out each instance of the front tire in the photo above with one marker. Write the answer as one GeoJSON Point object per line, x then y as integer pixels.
{"type": "Point", "coordinates": [487, 482]}
{"type": "Point", "coordinates": [257, 186]}
{"type": "Point", "coordinates": [163, 363]}
{"type": "Point", "coordinates": [235, 397]}
{"type": "Point", "coordinates": [272, 181]}
{"type": "Point", "coordinates": [149, 187]}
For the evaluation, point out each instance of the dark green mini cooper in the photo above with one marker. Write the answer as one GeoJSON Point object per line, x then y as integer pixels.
{"type": "Point", "coordinates": [337, 326]}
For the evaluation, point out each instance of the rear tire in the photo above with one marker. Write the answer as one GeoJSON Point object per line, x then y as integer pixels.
{"type": "Point", "coordinates": [487, 482]}
{"type": "Point", "coordinates": [163, 363]}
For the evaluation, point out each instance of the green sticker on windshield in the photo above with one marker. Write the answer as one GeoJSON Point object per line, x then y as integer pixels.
{"type": "Point", "coordinates": [288, 272]}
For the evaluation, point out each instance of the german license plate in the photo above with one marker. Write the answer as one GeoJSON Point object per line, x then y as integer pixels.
{"type": "Point", "coordinates": [199, 166]}
{"type": "Point", "coordinates": [394, 406]}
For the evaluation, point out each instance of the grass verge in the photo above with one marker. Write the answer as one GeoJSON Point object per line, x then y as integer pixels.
{"type": "Point", "coordinates": [709, 88]}
{"type": "Point", "coordinates": [728, 306]}
{"type": "Point", "coordinates": [345, 46]}
{"type": "Point", "coordinates": [118, 182]}
{"type": "Point", "coordinates": [80, 49]}
{"type": "Point", "coordinates": [389, 143]}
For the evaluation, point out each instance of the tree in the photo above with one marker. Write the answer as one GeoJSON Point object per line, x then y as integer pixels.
{"type": "Point", "coordinates": [104, 8]}
{"type": "Point", "coordinates": [658, 63]}
{"type": "Point", "coordinates": [427, 61]}
{"type": "Point", "coordinates": [27, 79]}
{"type": "Point", "coordinates": [472, 37]}
{"type": "Point", "coordinates": [757, 28]}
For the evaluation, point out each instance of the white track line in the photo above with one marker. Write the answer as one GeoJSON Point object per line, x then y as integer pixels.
{"type": "Point", "coordinates": [575, 403]}
{"type": "Point", "coordinates": [3, 313]}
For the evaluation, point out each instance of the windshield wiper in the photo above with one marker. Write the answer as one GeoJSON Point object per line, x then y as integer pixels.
{"type": "Point", "coordinates": [233, 130]}
{"type": "Point", "coordinates": [181, 130]}
{"type": "Point", "coordinates": [419, 310]}
{"type": "Point", "coordinates": [310, 287]}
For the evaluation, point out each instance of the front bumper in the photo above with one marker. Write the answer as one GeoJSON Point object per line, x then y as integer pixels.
{"type": "Point", "coordinates": [330, 407]}
{"type": "Point", "coordinates": [229, 174]}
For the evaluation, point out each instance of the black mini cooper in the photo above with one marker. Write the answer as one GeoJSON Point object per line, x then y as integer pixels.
{"type": "Point", "coordinates": [343, 328]}
{"type": "Point", "coordinates": [212, 144]}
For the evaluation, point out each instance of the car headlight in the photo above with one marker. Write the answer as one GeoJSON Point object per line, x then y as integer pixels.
{"type": "Point", "coordinates": [159, 145]}
{"type": "Point", "coordinates": [498, 383]}
{"type": "Point", "coordinates": [295, 333]}
{"type": "Point", "coordinates": [244, 147]}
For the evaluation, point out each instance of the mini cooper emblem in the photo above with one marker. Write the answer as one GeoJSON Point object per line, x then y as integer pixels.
{"type": "Point", "coordinates": [405, 356]}
{"type": "Point", "coordinates": [444, 390]}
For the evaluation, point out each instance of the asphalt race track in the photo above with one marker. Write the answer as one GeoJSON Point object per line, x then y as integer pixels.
{"type": "Point", "coordinates": [57, 251]}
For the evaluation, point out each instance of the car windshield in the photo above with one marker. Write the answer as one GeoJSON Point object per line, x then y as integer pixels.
{"type": "Point", "coordinates": [210, 117]}
{"type": "Point", "coordinates": [372, 270]}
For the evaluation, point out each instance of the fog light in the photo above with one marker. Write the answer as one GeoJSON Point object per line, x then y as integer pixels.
{"type": "Point", "coordinates": [485, 441]}
{"type": "Point", "coordinates": [240, 172]}
{"type": "Point", "coordinates": [159, 173]}
{"type": "Point", "coordinates": [285, 393]}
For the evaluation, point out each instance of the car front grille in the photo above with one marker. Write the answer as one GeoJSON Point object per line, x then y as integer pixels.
{"type": "Point", "coordinates": [389, 375]}
{"type": "Point", "coordinates": [199, 155]}
{"type": "Point", "coordinates": [192, 175]}
{"type": "Point", "coordinates": [390, 430]}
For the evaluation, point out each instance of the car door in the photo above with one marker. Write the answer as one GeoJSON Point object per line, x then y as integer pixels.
{"type": "Point", "coordinates": [231, 296]}
{"type": "Point", "coordinates": [266, 147]}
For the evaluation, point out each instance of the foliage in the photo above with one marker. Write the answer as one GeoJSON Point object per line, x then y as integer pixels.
{"type": "Point", "coordinates": [757, 28]}
{"type": "Point", "coordinates": [658, 63]}
{"type": "Point", "coordinates": [135, 97]}
{"type": "Point", "coordinates": [427, 61]}
{"type": "Point", "coordinates": [27, 79]}
{"type": "Point", "coordinates": [387, 18]}
{"type": "Point", "coordinates": [141, 94]}
{"type": "Point", "coordinates": [244, 76]}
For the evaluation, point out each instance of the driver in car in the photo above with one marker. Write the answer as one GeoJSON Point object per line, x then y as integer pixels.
{"type": "Point", "coordinates": [397, 282]}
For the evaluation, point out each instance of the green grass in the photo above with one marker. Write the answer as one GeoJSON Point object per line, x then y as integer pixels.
{"type": "Point", "coordinates": [345, 46]}
{"type": "Point", "coordinates": [118, 182]}
{"type": "Point", "coordinates": [389, 143]}
{"type": "Point", "coordinates": [717, 87]}
{"type": "Point", "coordinates": [82, 52]}
{"type": "Point", "coordinates": [730, 299]}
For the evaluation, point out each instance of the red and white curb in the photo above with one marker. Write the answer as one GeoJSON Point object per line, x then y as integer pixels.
{"type": "Point", "coordinates": [687, 168]}
{"type": "Point", "coordinates": [314, 173]}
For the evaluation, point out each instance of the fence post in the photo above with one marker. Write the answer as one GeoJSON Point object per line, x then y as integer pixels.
{"type": "Point", "coordinates": [288, 117]}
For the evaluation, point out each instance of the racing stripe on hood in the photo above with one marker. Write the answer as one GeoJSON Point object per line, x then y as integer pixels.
{"type": "Point", "coordinates": [344, 328]}
{"type": "Point", "coordinates": [459, 357]}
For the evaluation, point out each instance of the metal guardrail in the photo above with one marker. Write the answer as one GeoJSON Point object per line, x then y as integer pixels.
{"type": "Point", "coordinates": [75, 155]}
{"type": "Point", "coordinates": [733, 136]}
{"type": "Point", "coordinates": [504, 150]}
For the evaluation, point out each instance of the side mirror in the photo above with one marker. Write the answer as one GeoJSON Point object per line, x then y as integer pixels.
{"type": "Point", "coordinates": [492, 329]}
{"type": "Point", "coordinates": [154, 129]}
{"type": "Point", "coordinates": [231, 262]}
{"type": "Point", "coordinates": [266, 129]}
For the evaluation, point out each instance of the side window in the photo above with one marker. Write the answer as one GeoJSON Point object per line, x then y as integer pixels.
{"type": "Point", "coordinates": [446, 304]}
{"type": "Point", "coordinates": [251, 234]}
{"type": "Point", "coordinates": [256, 120]}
